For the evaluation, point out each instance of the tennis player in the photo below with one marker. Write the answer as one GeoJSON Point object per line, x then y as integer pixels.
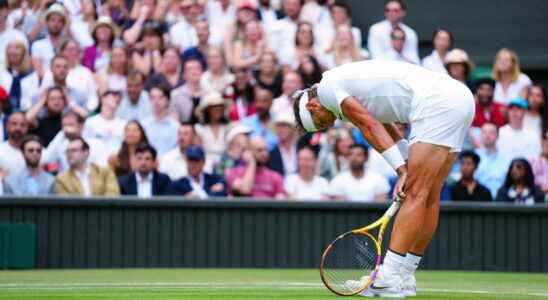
{"type": "Point", "coordinates": [373, 95]}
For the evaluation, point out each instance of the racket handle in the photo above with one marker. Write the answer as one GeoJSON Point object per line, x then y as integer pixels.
{"type": "Point", "coordinates": [393, 207]}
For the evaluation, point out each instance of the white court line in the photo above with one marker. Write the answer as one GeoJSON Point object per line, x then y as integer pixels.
{"type": "Point", "coordinates": [186, 285]}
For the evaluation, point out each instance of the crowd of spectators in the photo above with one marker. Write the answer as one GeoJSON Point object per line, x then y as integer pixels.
{"type": "Point", "coordinates": [193, 98]}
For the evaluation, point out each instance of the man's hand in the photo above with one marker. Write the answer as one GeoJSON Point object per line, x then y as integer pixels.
{"type": "Point", "coordinates": [399, 189]}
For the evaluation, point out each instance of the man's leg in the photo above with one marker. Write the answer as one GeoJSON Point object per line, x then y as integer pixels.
{"type": "Point", "coordinates": [426, 161]}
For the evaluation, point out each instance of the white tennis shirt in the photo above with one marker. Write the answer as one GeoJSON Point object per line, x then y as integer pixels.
{"type": "Point", "coordinates": [391, 91]}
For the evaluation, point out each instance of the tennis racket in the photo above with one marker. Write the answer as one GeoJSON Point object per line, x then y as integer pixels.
{"type": "Point", "coordinates": [350, 263]}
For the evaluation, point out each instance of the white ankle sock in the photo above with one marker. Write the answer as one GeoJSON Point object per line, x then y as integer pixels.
{"type": "Point", "coordinates": [393, 261]}
{"type": "Point", "coordinates": [411, 262]}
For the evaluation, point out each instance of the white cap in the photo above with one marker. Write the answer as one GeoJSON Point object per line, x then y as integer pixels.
{"type": "Point", "coordinates": [304, 114]}
{"type": "Point", "coordinates": [237, 129]}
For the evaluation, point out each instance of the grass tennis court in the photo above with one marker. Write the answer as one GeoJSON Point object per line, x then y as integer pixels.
{"type": "Point", "coordinates": [201, 284]}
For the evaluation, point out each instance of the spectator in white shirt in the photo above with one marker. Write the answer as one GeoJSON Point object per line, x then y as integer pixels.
{"type": "Point", "coordinates": [442, 40]}
{"type": "Point", "coordinates": [282, 33]}
{"type": "Point", "coordinates": [220, 16]}
{"type": "Point", "coordinates": [514, 140]}
{"type": "Point", "coordinates": [160, 127]}
{"type": "Point", "coordinates": [106, 126]}
{"type": "Point", "coordinates": [44, 50]}
{"type": "Point", "coordinates": [398, 40]}
{"type": "Point", "coordinates": [183, 34]}
{"type": "Point", "coordinates": [359, 184]}
{"type": "Point", "coordinates": [378, 41]}
{"type": "Point", "coordinates": [113, 76]}
{"type": "Point", "coordinates": [186, 98]}
{"type": "Point", "coordinates": [54, 156]}
{"type": "Point", "coordinates": [7, 34]}
{"type": "Point", "coordinates": [340, 14]}
{"type": "Point", "coordinates": [174, 162]}
{"type": "Point", "coordinates": [11, 158]}
{"type": "Point", "coordinates": [217, 77]}
{"type": "Point", "coordinates": [305, 44]}
{"type": "Point", "coordinates": [536, 118]}
{"type": "Point", "coordinates": [135, 104]}
{"type": "Point", "coordinates": [306, 185]}
{"type": "Point", "coordinates": [511, 82]}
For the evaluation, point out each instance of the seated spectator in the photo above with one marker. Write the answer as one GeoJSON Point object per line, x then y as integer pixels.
{"type": "Point", "coordinates": [306, 185]}
{"type": "Point", "coordinates": [511, 82]}
{"type": "Point", "coordinates": [334, 153]}
{"type": "Point", "coordinates": [459, 66]}
{"type": "Point", "coordinates": [97, 56]}
{"type": "Point", "coordinates": [397, 38]}
{"type": "Point", "coordinates": [468, 188]}
{"type": "Point", "coordinates": [255, 179]}
{"type": "Point", "coordinates": [198, 184]}
{"type": "Point", "coordinates": [170, 72]}
{"type": "Point", "coordinates": [304, 45]}
{"type": "Point", "coordinates": [268, 14]}
{"type": "Point", "coordinates": [135, 104]}
{"type": "Point", "coordinates": [539, 164]}
{"type": "Point", "coordinates": [344, 49]}
{"type": "Point", "coordinates": [45, 117]}
{"type": "Point", "coordinates": [9, 33]}
{"type": "Point", "coordinates": [160, 124]}
{"type": "Point", "coordinates": [113, 76]}
{"type": "Point", "coordinates": [269, 75]}
{"type": "Point", "coordinates": [519, 186]}
{"type": "Point", "coordinates": [174, 162]}
{"type": "Point", "coordinates": [125, 161]}
{"type": "Point", "coordinates": [442, 41]}
{"type": "Point", "coordinates": [146, 16]}
{"type": "Point", "coordinates": [83, 17]}
{"type": "Point", "coordinates": [234, 27]}
{"type": "Point", "coordinates": [200, 50]}
{"type": "Point", "coordinates": [487, 110]}
{"type": "Point", "coordinates": [310, 70]}
{"type": "Point", "coordinates": [339, 14]}
{"type": "Point", "coordinates": [183, 33]}
{"type": "Point", "coordinates": [536, 118]}
{"type": "Point", "coordinates": [32, 180]}
{"type": "Point", "coordinates": [57, 76]}
{"type": "Point", "coordinates": [43, 50]}
{"type": "Point", "coordinates": [85, 178]}
{"type": "Point", "coordinates": [359, 184]}
{"type": "Point", "coordinates": [378, 39]}
{"type": "Point", "coordinates": [55, 157]}
{"type": "Point", "coordinates": [237, 142]}
{"type": "Point", "coordinates": [283, 157]}
{"type": "Point", "coordinates": [106, 126]}
{"type": "Point", "coordinates": [11, 158]}
{"type": "Point", "coordinates": [145, 181]}
{"type": "Point", "coordinates": [217, 77]}
{"type": "Point", "coordinates": [17, 76]}
{"type": "Point", "coordinates": [241, 93]}
{"type": "Point", "coordinates": [249, 50]}
{"type": "Point", "coordinates": [282, 32]}
{"type": "Point", "coordinates": [214, 127]}
{"type": "Point", "coordinates": [186, 98]}
{"type": "Point", "coordinates": [514, 140]}
{"type": "Point", "coordinates": [261, 121]}
{"type": "Point", "coordinates": [292, 82]}
{"type": "Point", "coordinates": [493, 164]}
{"type": "Point", "coordinates": [221, 16]}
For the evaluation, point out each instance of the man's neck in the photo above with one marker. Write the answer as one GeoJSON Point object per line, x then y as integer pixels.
{"type": "Point", "coordinates": [81, 168]}
{"type": "Point", "coordinates": [196, 177]}
{"type": "Point", "coordinates": [107, 115]}
{"type": "Point", "coordinates": [15, 143]}
{"type": "Point", "coordinates": [491, 149]}
{"type": "Point", "coordinates": [55, 39]}
{"type": "Point", "coordinates": [160, 115]}
{"type": "Point", "coordinates": [516, 125]}
{"type": "Point", "coordinates": [287, 144]}
{"type": "Point", "coordinates": [357, 173]}
{"type": "Point", "coordinates": [194, 87]}
{"type": "Point", "coordinates": [144, 174]}
{"type": "Point", "coordinates": [468, 181]}
{"type": "Point", "coordinates": [394, 24]}
{"type": "Point", "coordinates": [306, 176]}
{"type": "Point", "coordinates": [264, 118]}
{"type": "Point", "coordinates": [60, 82]}
{"type": "Point", "coordinates": [134, 100]}
{"type": "Point", "coordinates": [34, 170]}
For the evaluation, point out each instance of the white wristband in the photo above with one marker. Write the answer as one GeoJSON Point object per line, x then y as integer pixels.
{"type": "Point", "coordinates": [403, 146]}
{"type": "Point", "coordinates": [393, 156]}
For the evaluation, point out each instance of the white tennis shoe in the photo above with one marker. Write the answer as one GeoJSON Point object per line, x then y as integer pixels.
{"type": "Point", "coordinates": [409, 285]}
{"type": "Point", "coordinates": [387, 284]}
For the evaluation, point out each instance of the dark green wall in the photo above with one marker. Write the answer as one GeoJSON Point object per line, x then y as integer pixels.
{"type": "Point", "coordinates": [259, 234]}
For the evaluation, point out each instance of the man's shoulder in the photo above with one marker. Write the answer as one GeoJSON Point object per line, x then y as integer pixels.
{"type": "Point", "coordinates": [40, 44]}
{"type": "Point", "coordinates": [379, 26]}
{"type": "Point", "coordinates": [103, 171]}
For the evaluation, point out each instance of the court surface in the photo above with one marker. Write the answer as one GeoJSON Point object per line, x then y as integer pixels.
{"type": "Point", "coordinates": [224, 284]}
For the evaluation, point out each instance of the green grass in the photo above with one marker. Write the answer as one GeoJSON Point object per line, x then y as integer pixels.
{"type": "Point", "coordinates": [228, 284]}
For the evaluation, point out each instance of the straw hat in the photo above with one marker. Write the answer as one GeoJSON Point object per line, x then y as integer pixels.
{"type": "Point", "coordinates": [211, 99]}
{"type": "Point", "coordinates": [458, 56]}
{"type": "Point", "coordinates": [104, 21]}
{"type": "Point", "coordinates": [57, 8]}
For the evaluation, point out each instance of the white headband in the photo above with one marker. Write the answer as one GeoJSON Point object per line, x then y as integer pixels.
{"type": "Point", "coordinates": [306, 117]}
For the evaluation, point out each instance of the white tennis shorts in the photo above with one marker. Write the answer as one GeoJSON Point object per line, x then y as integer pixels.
{"type": "Point", "coordinates": [444, 116]}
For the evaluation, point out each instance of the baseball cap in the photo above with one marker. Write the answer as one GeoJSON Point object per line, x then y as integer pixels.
{"type": "Point", "coordinates": [238, 129]}
{"type": "Point", "coordinates": [519, 102]}
{"type": "Point", "coordinates": [195, 153]}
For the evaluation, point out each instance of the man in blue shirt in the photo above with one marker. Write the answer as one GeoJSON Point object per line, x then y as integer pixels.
{"type": "Point", "coordinates": [31, 181]}
{"type": "Point", "coordinates": [493, 164]}
{"type": "Point", "coordinates": [260, 122]}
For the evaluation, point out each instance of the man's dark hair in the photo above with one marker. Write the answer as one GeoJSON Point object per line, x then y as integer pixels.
{"type": "Point", "coordinates": [472, 155]}
{"type": "Point", "coordinates": [146, 147]}
{"type": "Point", "coordinates": [342, 4]}
{"type": "Point", "coordinates": [134, 74]}
{"type": "Point", "coordinates": [400, 2]}
{"type": "Point", "coordinates": [360, 146]}
{"type": "Point", "coordinates": [58, 56]}
{"type": "Point", "coordinates": [309, 148]}
{"type": "Point", "coordinates": [482, 81]}
{"type": "Point", "coordinates": [29, 138]}
{"type": "Point", "coordinates": [451, 41]}
{"type": "Point", "coordinates": [71, 113]}
{"type": "Point", "coordinates": [163, 88]}
{"type": "Point", "coordinates": [85, 145]}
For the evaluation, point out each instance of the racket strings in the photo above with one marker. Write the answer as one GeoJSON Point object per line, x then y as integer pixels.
{"type": "Point", "coordinates": [350, 260]}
